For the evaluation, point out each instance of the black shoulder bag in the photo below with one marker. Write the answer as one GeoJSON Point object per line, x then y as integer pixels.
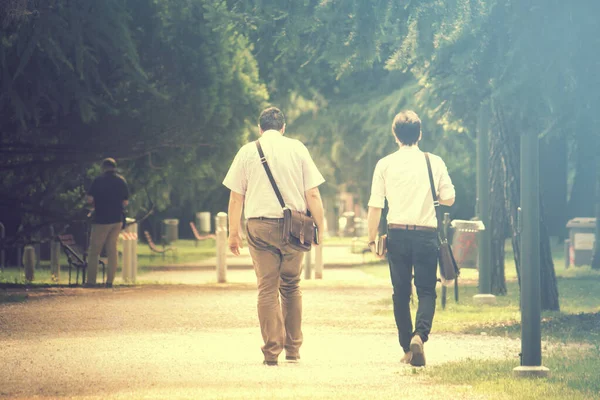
{"type": "Point", "coordinates": [448, 266]}
{"type": "Point", "coordinates": [298, 228]}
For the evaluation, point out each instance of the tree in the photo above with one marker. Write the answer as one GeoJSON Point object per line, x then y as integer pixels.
{"type": "Point", "coordinates": [161, 85]}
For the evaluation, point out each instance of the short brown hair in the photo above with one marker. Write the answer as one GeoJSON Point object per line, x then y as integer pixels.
{"type": "Point", "coordinates": [407, 127]}
{"type": "Point", "coordinates": [109, 163]}
{"type": "Point", "coordinates": [271, 118]}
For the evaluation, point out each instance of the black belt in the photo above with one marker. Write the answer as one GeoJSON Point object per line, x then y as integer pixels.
{"type": "Point", "coordinates": [412, 227]}
{"type": "Point", "coordinates": [266, 219]}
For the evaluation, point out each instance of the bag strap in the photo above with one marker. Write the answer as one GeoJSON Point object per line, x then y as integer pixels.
{"type": "Point", "coordinates": [436, 203]}
{"type": "Point", "coordinates": [263, 160]}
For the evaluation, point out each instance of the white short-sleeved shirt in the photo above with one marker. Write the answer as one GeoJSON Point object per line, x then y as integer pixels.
{"type": "Point", "coordinates": [403, 179]}
{"type": "Point", "coordinates": [292, 167]}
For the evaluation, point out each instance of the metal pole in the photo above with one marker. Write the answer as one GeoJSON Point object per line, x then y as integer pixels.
{"type": "Point", "coordinates": [221, 233]}
{"type": "Point", "coordinates": [319, 262]}
{"type": "Point", "coordinates": [307, 265]}
{"type": "Point", "coordinates": [531, 341]}
{"type": "Point", "coordinates": [55, 260]}
{"type": "Point", "coordinates": [484, 245]}
{"type": "Point", "coordinates": [29, 262]}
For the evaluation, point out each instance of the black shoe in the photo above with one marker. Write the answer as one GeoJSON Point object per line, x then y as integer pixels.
{"type": "Point", "coordinates": [109, 285]}
{"type": "Point", "coordinates": [293, 358]}
{"type": "Point", "coordinates": [270, 363]}
{"type": "Point", "coordinates": [418, 355]}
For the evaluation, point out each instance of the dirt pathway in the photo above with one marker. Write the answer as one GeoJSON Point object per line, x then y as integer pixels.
{"type": "Point", "coordinates": [203, 342]}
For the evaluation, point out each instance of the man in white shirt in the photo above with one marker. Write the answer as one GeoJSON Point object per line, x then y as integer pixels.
{"type": "Point", "coordinates": [402, 178]}
{"type": "Point", "coordinates": [277, 266]}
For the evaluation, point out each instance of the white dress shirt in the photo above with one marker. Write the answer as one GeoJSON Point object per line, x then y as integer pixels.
{"type": "Point", "coordinates": [403, 179]}
{"type": "Point", "coordinates": [292, 167]}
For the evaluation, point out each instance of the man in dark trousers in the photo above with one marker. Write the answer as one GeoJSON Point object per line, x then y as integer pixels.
{"type": "Point", "coordinates": [109, 195]}
{"type": "Point", "coordinates": [277, 266]}
{"type": "Point", "coordinates": [402, 178]}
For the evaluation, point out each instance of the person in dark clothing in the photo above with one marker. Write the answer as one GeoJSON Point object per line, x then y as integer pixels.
{"type": "Point", "coordinates": [402, 179]}
{"type": "Point", "coordinates": [109, 195]}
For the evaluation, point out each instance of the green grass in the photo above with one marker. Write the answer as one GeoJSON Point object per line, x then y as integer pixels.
{"type": "Point", "coordinates": [579, 297]}
{"type": "Point", "coordinates": [187, 252]}
{"type": "Point", "coordinates": [573, 375]}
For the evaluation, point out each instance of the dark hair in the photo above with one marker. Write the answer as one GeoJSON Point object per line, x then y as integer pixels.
{"type": "Point", "coordinates": [271, 118]}
{"type": "Point", "coordinates": [109, 163]}
{"type": "Point", "coordinates": [407, 127]}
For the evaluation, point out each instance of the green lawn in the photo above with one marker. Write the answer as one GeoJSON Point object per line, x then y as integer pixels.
{"type": "Point", "coordinates": [186, 252]}
{"type": "Point", "coordinates": [573, 371]}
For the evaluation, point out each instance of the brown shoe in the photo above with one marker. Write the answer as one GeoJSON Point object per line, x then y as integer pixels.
{"type": "Point", "coordinates": [418, 355]}
{"type": "Point", "coordinates": [407, 358]}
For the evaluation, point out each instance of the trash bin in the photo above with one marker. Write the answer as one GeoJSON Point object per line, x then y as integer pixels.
{"type": "Point", "coordinates": [346, 224]}
{"type": "Point", "coordinates": [171, 230]}
{"type": "Point", "coordinates": [203, 221]}
{"type": "Point", "coordinates": [582, 237]}
{"type": "Point", "coordinates": [464, 241]}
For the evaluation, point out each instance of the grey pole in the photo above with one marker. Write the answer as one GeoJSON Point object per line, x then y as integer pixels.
{"type": "Point", "coordinates": [221, 233]}
{"type": "Point", "coordinates": [484, 244]}
{"type": "Point", "coordinates": [307, 265]}
{"type": "Point", "coordinates": [531, 340]}
{"type": "Point", "coordinates": [319, 261]}
{"type": "Point", "coordinates": [29, 262]}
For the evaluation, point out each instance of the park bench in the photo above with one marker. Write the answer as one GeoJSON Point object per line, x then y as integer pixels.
{"type": "Point", "coordinates": [75, 259]}
{"type": "Point", "coordinates": [155, 249]}
{"type": "Point", "coordinates": [197, 234]}
{"type": "Point", "coordinates": [360, 246]}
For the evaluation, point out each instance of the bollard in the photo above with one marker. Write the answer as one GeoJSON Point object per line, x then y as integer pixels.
{"type": "Point", "coordinates": [133, 229]}
{"type": "Point", "coordinates": [221, 231]}
{"type": "Point", "coordinates": [307, 264]}
{"type": "Point", "coordinates": [319, 262]}
{"type": "Point", "coordinates": [203, 221]}
{"type": "Point", "coordinates": [126, 261]}
{"type": "Point", "coordinates": [55, 260]}
{"type": "Point", "coordinates": [130, 238]}
{"type": "Point", "coordinates": [29, 262]}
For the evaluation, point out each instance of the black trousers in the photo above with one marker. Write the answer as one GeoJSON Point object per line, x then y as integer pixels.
{"type": "Point", "coordinates": [408, 250]}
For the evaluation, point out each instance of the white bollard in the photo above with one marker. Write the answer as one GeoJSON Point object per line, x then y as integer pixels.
{"type": "Point", "coordinates": [29, 262]}
{"type": "Point", "coordinates": [319, 262]}
{"type": "Point", "coordinates": [55, 260]}
{"type": "Point", "coordinates": [307, 264]}
{"type": "Point", "coordinates": [130, 260]}
{"type": "Point", "coordinates": [221, 231]}
{"type": "Point", "coordinates": [126, 264]}
{"type": "Point", "coordinates": [134, 253]}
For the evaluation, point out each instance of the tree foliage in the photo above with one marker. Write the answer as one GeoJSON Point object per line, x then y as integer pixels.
{"type": "Point", "coordinates": [163, 86]}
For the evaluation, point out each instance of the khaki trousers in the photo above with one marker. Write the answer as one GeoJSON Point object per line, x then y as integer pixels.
{"type": "Point", "coordinates": [103, 235]}
{"type": "Point", "coordinates": [278, 270]}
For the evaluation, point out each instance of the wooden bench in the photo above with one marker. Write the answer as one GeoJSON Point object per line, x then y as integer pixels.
{"type": "Point", "coordinates": [75, 259]}
{"type": "Point", "coordinates": [197, 234]}
{"type": "Point", "coordinates": [155, 249]}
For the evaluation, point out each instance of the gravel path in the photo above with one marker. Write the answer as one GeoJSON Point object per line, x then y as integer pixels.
{"type": "Point", "coordinates": [203, 342]}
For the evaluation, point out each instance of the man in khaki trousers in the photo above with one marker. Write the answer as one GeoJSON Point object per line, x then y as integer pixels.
{"type": "Point", "coordinates": [277, 266]}
{"type": "Point", "coordinates": [109, 195]}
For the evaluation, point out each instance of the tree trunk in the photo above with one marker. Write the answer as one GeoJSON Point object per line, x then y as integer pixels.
{"type": "Point", "coordinates": [498, 217]}
{"type": "Point", "coordinates": [553, 183]}
{"type": "Point", "coordinates": [511, 158]}
{"type": "Point", "coordinates": [549, 288]}
{"type": "Point", "coordinates": [581, 202]}
{"type": "Point", "coordinates": [511, 161]}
